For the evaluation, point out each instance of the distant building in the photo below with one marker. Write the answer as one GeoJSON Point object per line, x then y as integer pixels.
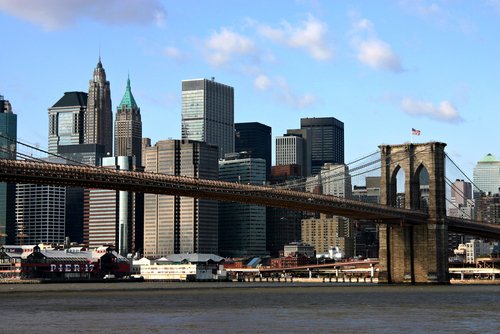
{"type": "Point", "coordinates": [290, 150]}
{"type": "Point", "coordinates": [66, 119]}
{"type": "Point", "coordinates": [255, 138]}
{"type": "Point", "coordinates": [242, 227]}
{"type": "Point", "coordinates": [282, 224]}
{"type": "Point", "coordinates": [98, 122]}
{"type": "Point", "coordinates": [8, 140]}
{"type": "Point", "coordinates": [177, 224]}
{"type": "Point", "coordinates": [329, 231]}
{"type": "Point", "coordinates": [366, 233]}
{"type": "Point", "coordinates": [299, 248]}
{"type": "Point", "coordinates": [306, 135]}
{"type": "Point", "coordinates": [333, 179]}
{"type": "Point", "coordinates": [40, 213]}
{"type": "Point", "coordinates": [128, 127]}
{"type": "Point", "coordinates": [476, 248]}
{"type": "Point", "coordinates": [87, 154]}
{"type": "Point", "coordinates": [327, 141]}
{"type": "Point", "coordinates": [208, 113]}
{"type": "Point", "coordinates": [110, 216]}
{"type": "Point", "coordinates": [182, 267]}
{"type": "Point", "coordinates": [488, 209]}
{"type": "Point", "coordinates": [487, 176]}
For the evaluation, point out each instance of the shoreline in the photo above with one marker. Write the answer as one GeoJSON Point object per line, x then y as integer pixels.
{"type": "Point", "coordinates": [72, 287]}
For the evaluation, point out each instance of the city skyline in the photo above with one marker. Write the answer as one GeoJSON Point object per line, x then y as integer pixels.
{"type": "Point", "coordinates": [435, 73]}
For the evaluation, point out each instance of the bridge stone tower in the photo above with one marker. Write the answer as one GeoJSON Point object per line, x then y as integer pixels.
{"type": "Point", "coordinates": [414, 253]}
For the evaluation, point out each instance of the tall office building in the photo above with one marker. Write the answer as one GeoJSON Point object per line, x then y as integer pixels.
{"type": "Point", "coordinates": [290, 150]}
{"type": "Point", "coordinates": [110, 215]}
{"type": "Point", "coordinates": [128, 127]}
{"type": "Point", "coordinates": [8, 137]}
{"type": "Point", "coordinates": [283, 224]}
{"type": "Point", "coordinates": [327, 141]}
{"type": "Point", "coordinates": [208, 113]}
{"type": "Point", "coordinates": [66, 119]}
{"type": "Point", "coordinates": [254, 138]}
{"type": "Point", "coordinates": [327, 230]}
{"type": "Point", "coordinates": [177, 224]}
{"type": "Point", "coordinates": [98, 123]}
{"type": "Point", "coordinates": [333, 179]}
{"type": "Point", "coordinates": [40, 212]}
{"type": "Point", "coordinates": [242, 227]}
{"type": "Point", "coordinates": [487, 176]}
{"type": "Point", "coordinates": [87, 154]}
{"type": "Point", "coordinates": [461, 192]}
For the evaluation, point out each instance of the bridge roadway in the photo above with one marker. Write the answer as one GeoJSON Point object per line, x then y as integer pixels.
{"type": "Point", "coordinates": [19, 171]}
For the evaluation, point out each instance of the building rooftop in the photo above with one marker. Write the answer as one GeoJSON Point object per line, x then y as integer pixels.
{"type": "Point", "coordinates": [71, 99]}
{"type": "Point", "coordinates": [489, 158]}
{"type": "Point", "coordinates": [128, 99]}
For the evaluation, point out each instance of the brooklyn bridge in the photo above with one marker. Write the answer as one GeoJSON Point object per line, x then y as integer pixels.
{"type": "Point", "coordinates": [413, 243]}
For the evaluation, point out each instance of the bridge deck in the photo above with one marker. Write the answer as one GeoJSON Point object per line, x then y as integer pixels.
{"type": "Point", "coordinates": [16, 171]}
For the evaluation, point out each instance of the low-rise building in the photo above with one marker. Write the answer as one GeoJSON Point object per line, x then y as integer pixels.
{"type": "Point", "coordinates": [182, 267]}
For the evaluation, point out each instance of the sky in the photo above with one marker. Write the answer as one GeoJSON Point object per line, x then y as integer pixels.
{"type": "Point", "coordinates": [381, 67]}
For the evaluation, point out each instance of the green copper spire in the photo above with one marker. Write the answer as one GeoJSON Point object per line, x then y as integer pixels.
{"type": "Point", "coordinates": [128, 99]}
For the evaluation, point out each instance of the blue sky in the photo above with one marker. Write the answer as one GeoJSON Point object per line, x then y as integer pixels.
{"type": "Point", "coordinates": [381, 67]}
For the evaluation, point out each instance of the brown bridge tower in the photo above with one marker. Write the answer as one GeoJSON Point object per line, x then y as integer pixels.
{"type": "Point", "coordinates": [414, 253]}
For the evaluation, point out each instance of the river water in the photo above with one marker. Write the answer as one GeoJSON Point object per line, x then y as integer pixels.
{"type": "Point", "coordinates": [248, 308]}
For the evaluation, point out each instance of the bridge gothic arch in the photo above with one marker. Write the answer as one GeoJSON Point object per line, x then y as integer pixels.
{"type": "Point", "coordinates": [414, 253]}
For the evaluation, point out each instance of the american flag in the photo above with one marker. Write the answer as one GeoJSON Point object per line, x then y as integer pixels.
{"type": "Point", "coordinates": [415, 132]}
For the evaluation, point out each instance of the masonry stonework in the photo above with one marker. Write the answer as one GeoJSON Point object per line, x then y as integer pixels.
{"type": "Point", "coordinates": [411, 253]}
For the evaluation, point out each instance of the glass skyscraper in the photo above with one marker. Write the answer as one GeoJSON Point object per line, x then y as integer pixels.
{"type": "Point", "coordinates": [8, 137]}
{"type": "Point", "coordinates": [66, 118]}
{"type": "Point", "coordinates": [242, 227]}
{"type": "Point", "coordinates": [178, 224]}
{"type": "Point", "coordinates": [208, 113]}
{"type": "Point", "coordinates": [486, 176]}
{"type": "Point", "coordinates": [254, 138]}
{"type": "Point", "coordinates": [327, 141]}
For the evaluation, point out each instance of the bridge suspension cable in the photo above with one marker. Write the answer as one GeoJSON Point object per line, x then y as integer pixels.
{"type": "Point", "coordinates": [461, 171]}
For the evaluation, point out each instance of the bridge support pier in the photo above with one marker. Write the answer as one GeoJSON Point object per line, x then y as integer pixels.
{"type": "Point", "coordinates": [413, 254]}
{"type": "Point", "coordinates": [414, 251]}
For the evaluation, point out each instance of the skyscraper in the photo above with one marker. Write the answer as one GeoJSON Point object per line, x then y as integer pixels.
{"type": "Point", "coordinates": [255, 138]}
{"type": "Point", "coordinates": [98, 124]}
{"type": "Point", "coordinates": [88, 154]}
{"type": "Point", "coordinates": [40, 212]}
{"type": "Point", "coordinates": [208, 113]}
{"type": "Point", "coordinates": [66, 118]}
{"type": "Point", "coordinates": [128, 127]}
{"type": "Point", "coordinates": [8, 137]}
{"type": "Point", "coordinates": [487, 176]}
{"type": "Point", "coordinates": [110, 215]}
{"type": "Point", "coordinates": [242, 227]}
{"type": "Point", "coordinates": [290, 150]}
{"type": "Point", "coordinates": [177, 224]}
{"type": "Point", "coordinates": [327, 141]}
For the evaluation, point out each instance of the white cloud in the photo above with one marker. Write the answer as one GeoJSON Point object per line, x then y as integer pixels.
{"type": "Point", "coordinates": [262, 82]}
{"type": "Point", "coordinates": [296, 101]}
{"type": "Point", "coordinates": [175, 54]}
{"type": "Point", "coordinates": [371, 50]}
{"type": "Point", "coordinates": [379, 55]}
{"type": "Point", "coordinates": [310, 35]}
{"type": "Point", "coordinates": [57, 14]}
{"type": "Point", "coordinates": [225, 44]}
{"type": "Point", "coordinates": [445, 111]}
